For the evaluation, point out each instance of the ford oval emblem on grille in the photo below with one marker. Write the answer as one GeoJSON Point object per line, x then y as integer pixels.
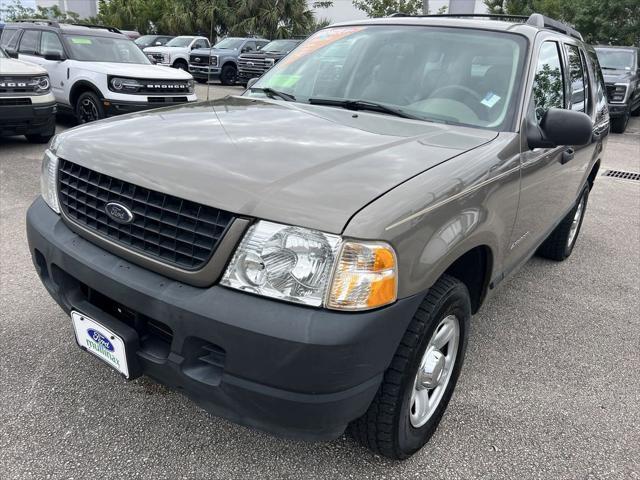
{"type": "Point", "coordinates": [197, 59]}
{"type": "Point", "coordinates": [118, 212]}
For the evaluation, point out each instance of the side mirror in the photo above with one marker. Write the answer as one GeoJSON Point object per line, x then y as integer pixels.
{"type": "Point", "coordinates": [158, 44]}
{"type": "Point", "coordinates": [12, 53]}
{"type": "Point", "coordinates": [560, 127]}
{"type": "Point", "coordinates": [53, 56]}
{"type": "Point", "coordinates": [252, 82]}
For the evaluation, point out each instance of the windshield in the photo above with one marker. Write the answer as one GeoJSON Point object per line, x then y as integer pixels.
{"type": "Point", "coordinates": [88, 48]}
{"type": "Point", "coordinates": [179, 42]}
{"type": "Point", "coordinates": [459, 76]}
{"type": "Point", "coordinates": [229, 43]}
{"type": "Point", "coordinates": [280, 46]}
{"type": "Point", "coordinates": [2, 54]}
{"type": "Point", "coordinates": [145, 40]}
{"type": "Point", "coordinates": [615, 58]}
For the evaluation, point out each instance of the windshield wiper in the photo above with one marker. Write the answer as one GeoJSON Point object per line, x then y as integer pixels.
{"type": "Point", "coordinates": [363, 105]}
{"type": "Point", "coordinates": [611, 68]}
{"type": "Point", "coordinates": [275, 93]}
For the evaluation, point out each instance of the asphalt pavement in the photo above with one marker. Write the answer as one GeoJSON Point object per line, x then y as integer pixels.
{"type": "Point", "coordinates": [550, 388]}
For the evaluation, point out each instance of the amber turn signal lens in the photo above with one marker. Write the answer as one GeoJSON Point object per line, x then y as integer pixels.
{"type": "Point", "coordinates": [365, 277]}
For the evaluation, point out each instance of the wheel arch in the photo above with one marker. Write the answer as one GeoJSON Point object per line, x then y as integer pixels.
{"type": "Point", "coordinates": [229, 61]}
{"type": "Point", "coordinates": [180, 60]}
{"type": "Point", "coordinates": [593, 174]}
{"type": "Point", "coordinates": [474, 269]}
{"type": "Point", "coordinates": [79, 88]}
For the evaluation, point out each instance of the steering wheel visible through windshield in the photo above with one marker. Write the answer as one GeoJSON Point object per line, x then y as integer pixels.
{"type": "Point", "coordinates": [88, 48]}
{"type": "Point", "coordinates": [454, 75]}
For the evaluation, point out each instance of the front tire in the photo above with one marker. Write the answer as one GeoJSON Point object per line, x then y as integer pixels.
{"type": "Point", "coordinates": [181, 65]}
{"type": "Point", "coordinates": [418, 385]}
{"type": "Point", "coordinates": [228, 75]}
{"type": "Point", "coordinates": [201, 80]}
{"type": "Point", "coordinates": [559, 245]}
{"type": "Point", "coordinates": [619, 125]}
{"type": "Point", "coordinates": [89, 108]}
{"type": "Point", "coordinates": [39, 138]}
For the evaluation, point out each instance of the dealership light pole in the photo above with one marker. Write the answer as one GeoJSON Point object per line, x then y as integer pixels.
{"type": "Point", "coordinates": [425, 7]}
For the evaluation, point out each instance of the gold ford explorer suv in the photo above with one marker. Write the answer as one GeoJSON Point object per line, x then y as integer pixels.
{"type": "Point", "coordinates": [308, 256]}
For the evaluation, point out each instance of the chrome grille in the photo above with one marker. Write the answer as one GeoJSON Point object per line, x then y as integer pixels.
{"type": "Point", "coordinates": [169, 229]}
{"type": "Point", "coordinates": [203, 60]}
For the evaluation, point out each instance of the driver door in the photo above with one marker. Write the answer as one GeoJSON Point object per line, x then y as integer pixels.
{"type": "Point", "coordinates": [50, 42]}
{"type": "Point", "coordinates": [544, 176]}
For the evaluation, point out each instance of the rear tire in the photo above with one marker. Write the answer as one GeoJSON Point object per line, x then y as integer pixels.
{"type": "Point", "coordinates": [394, 426]}
{"type": "Point", "coordinates": [89, 108]}
{"type": "Point", "coordinates": [559, 245]}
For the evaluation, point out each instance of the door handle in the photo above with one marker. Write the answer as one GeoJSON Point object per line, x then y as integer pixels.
{"type": "Point", "coordinates": [567, 155]}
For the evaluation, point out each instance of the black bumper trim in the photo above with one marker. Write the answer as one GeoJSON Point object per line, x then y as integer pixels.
{"type": "Point", "coordinates": [291, 370]}
{"type": "Point", "coordinates": [113, 108]}
{"type": "Point", "coordinates": [28, 119]}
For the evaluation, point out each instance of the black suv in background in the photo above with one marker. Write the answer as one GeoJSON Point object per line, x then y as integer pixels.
{"type": "Point", "coordinates": [254, 64]}
{"type": "Point", "coordinates": [621, 70]}
{"type": "Point", "coordinates": [152, 41]}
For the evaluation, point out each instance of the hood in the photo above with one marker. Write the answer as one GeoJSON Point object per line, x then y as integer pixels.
{"type": "Point", "coordinates": [292, 163]}
{"type": "Point", "coordinates": [137, 70]}
{"type": "Point", "coordinates": [10, 66]}
{"type": "Point", "coordinates": [212, 51]}
{"type": "Point", "coordinates": [164, 49]}
{"type": "Point", "coordinates": [616, 76]}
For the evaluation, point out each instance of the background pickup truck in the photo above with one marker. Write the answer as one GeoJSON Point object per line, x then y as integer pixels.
{"type": "Point", "coordinates": [254, 64]}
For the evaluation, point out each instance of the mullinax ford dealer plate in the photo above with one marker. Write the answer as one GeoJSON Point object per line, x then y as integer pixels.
{"type": "Point", "coordinates": [100, 341]}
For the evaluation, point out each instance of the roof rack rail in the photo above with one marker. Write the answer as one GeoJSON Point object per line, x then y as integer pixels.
{"type": "Point", "coordinates": [495, 16]}
{"type": "Point", "coordinates": [539, 20]}
{"type": "Point", "coordinates": [535, 19]}
{"type": "Point", "coordinates": [90, 25]}
{"type": "Point", "coordinates": [51, 23]}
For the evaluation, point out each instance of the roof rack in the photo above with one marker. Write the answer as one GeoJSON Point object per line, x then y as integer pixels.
{"type": "Point", "coordinates": [44, 21]}
{"type": "Point", "coordinates": [538, 20]}
{"type": "Point", "coordinates": [90, 25]}
{"type": "Point", "coordinates": [535, 19]}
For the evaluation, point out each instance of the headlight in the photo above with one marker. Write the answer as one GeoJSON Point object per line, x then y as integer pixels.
{"type": "Point", "coordinates": [124, 85]}
{"type": "Point", "coordinates": [313, 268]}
{"type": "Point", "coordinates": [213, 60]}
{"type": "Point", "coordinates": [48, 180]}
{"type": "Point", "coordinates": [191, 86]}
{"type": "Point", "coordinates": [41, 84]}
{"type": "Point", "coordinates": [166, 58]}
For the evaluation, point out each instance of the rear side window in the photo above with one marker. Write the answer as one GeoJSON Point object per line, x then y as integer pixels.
{"type": "Point", "coordinates": [576, 78]}
{"type": "Point", "coordinates": [548, 83]}
{"type": "Point", "coordinates": [29, 42]}
{"type": "Point", "coordinates": [50, 43]}
{"type": "Point", "coordinates": [9, 38]}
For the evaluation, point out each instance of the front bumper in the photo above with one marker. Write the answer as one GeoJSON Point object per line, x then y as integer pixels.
{"type": "Point", "coordinates": [212, 73]}
{"type": "Point", "coordinates": [291, 370]}
{"type": "Point", "coordinates": [119, 107]}
{"type": "Point", "coordinates": [36, 119]}
{"type": "Point", "coordinates": [617, 109]}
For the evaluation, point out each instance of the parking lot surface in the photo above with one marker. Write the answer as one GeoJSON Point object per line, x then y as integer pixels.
{"type": "Point", "coordinates": [550, 388]}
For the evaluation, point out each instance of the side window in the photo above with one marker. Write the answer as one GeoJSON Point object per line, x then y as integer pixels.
{"type": "Point", "coordinates": [576, 78]}
{"type": "Point", "coordinates": [49, 42]}
{"type": "Point", "coordinates": [29, 42]}
{"type": "Point", "coordinates": [548, 83]}
{"type": "Point", "coordinates": [262, 44]}
{"type": "Point", "coordinates": [588, 83]}
{"type": "Point", "coordinates": [201, 44]}
{"type": "Point", "coordinates": [10, 38]}
{"type": "Point", "coordinates": [249, 46]}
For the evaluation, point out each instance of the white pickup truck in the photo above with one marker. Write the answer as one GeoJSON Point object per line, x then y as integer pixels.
{"type": "Point", "coordinates": [176, 52]}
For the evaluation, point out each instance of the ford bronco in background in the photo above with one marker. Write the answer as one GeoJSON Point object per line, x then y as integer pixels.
{"type": "Point", "coordinates": [621, 70]}
{"type": "Point", "coordinates": [308, 255]}
{"type": "Point", "coordinates": [95, 71]}
{"type": "Point", "coordinates": [27, 106]}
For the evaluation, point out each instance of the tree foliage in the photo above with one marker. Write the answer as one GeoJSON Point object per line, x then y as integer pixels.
{"type": "Point", "coordinates": [600, 21]}
{"type": "Point", "coordinates": [384, 8]}
{"type": "Point", "coordinates": [271, 19]}
{"type": "Point", "coordinates": [16, 11]}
